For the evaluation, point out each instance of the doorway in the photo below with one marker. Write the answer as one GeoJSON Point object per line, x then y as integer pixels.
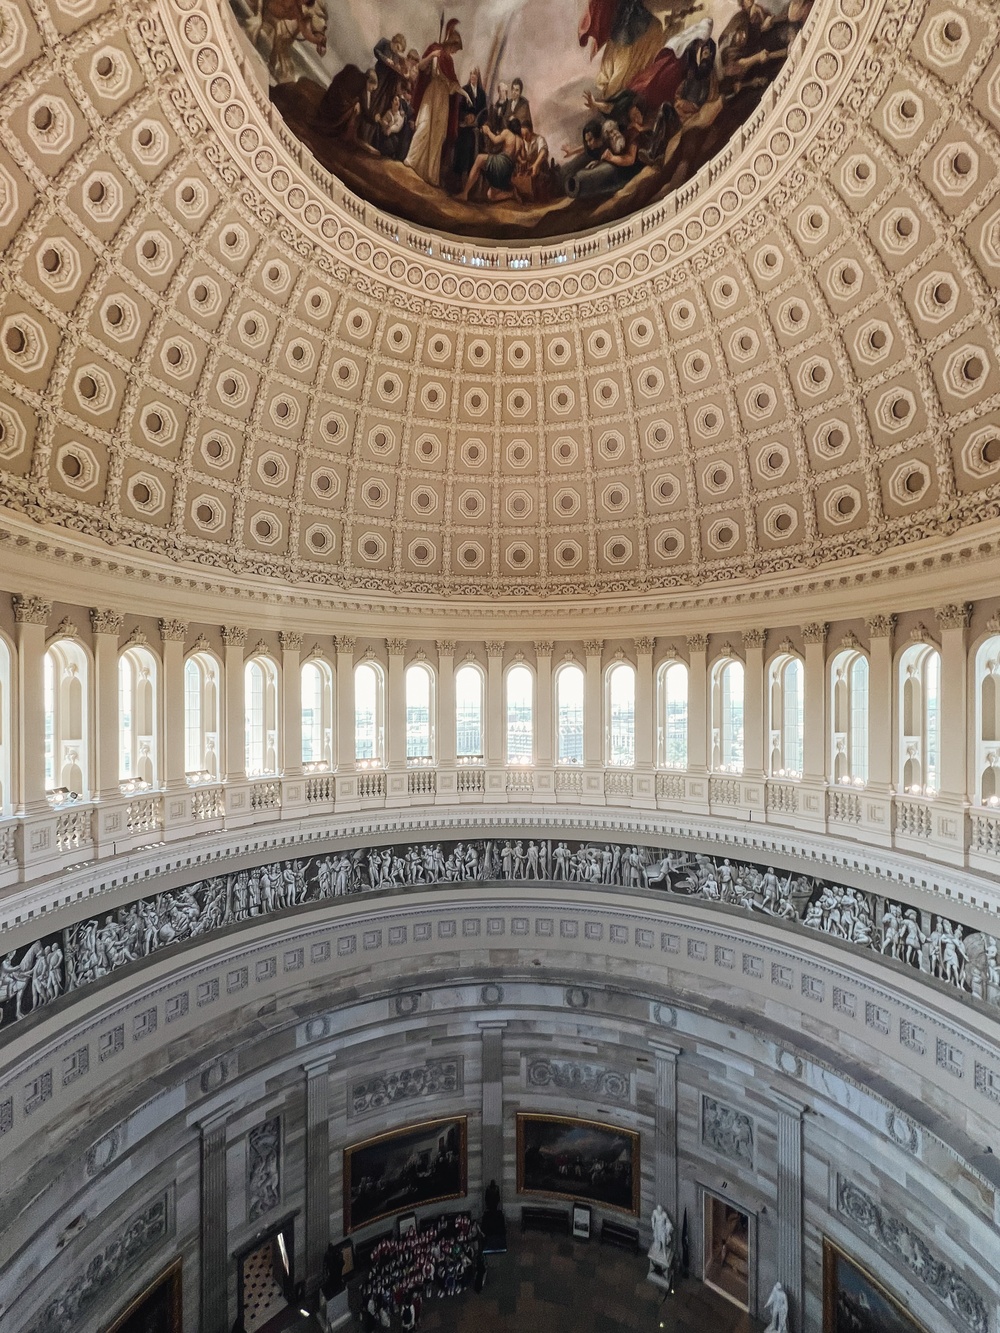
{"type": "Point", "coordinates": [727, 1250]}
{"type": "Point", "coordinates": [266, 1278]}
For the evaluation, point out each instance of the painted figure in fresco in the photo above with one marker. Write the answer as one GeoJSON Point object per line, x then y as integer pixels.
{"type": "Point", "coordinates": [498, 165]}
{"type": "Point", "coordinates": [277, 24]}
{"type": "Point", "coordinates": [471, 119]}
{"type": "Point", "coordinates": [436, 101]}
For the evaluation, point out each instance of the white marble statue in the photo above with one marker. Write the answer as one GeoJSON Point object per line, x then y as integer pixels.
{"type": "Point", "coordinates": [661, 1252]}
{"type": "Point", "coordinates": [777, 1307]}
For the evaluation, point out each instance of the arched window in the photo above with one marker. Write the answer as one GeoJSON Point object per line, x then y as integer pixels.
{"type": "Point", "coordinates": [6, 726]}
{"type": "Point", "coordinates": [201, 718]}
{"type": "Point", "coordinates": [569, 714]}
{"type": "Point", "coordinates": [919, 719]}
{"type": "Point", "coordinates": [672, 725]}
{"type": "Point", "coordinates": [369, 706]}
{"type": "Point", "coordinates": [849, 712]}
{"type": "Point", "coordinates": [987, 721]}
{"type": "Point", "coordinates": [67, 719]}
{"type": "Point", "coordinates": [317, 715]}
{"type": "Point", "coordinates": [469, 689]}
{"type": "Point", "coordinates": [138, 761]}
{"type": "Point", "coordinates": [260, 713]}
{"type": "Point", "coordinates": [727, 716]}
{"type": "Point", "coordinates": [520, 715]}
{"type": "Point", "coordinates": [785, 681]}
{"type": "Point", "coordinates": [620, 686]}
{"type": "Point", "coordinates": [419, 689]}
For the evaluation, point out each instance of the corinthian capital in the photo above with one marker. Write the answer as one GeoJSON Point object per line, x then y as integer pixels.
{"type": "Point", "coordinates": [494, 648]}
{"type": "Point", "coordinates": [346, 643]}
{"type": "Point", "coordinates": [290, 640]}
{"type": "Point", "coordinates": [397, 647]}
{"type": "Point", "coordinates": [543, 647]}
{"type": "Point", "coordinates": [32, 610]}
{"type": "Point", "coordinates": [816, 632]}
{"type": "Point", "coordinates": [881, 626]}
{"type": "Point", "coordinates": [234, 636]}
{"type": "Point", "coordinates": [593, 647]}
{"type": "Point", "coordinates": [954, 616]}
{"type": "Point", "coordinates": [644, 643]}
{"type": "Point", "coordinates": [173, 630]}
{"type": "Point", "coordinates": [754, 638]}
{"type": "Point", "coordinates": [446, 647]}
{"type": "Point", "coordinates": [106, 622]}
{"type": "Point", "coordinates": [697, 643]}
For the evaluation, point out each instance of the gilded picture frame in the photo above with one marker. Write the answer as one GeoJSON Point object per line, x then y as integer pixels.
{"type": "Point", "coordinates": [404, 1169]}
{"type": "Point", "coordinates": [585, 1161]}
{"type": "Point", "coordinates": [848, 1286]}
{"type": "Point", "coordinates": [160, 1302]}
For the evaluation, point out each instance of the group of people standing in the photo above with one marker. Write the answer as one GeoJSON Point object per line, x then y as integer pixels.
{"type": "Point", "coordinates": [439, 1259]}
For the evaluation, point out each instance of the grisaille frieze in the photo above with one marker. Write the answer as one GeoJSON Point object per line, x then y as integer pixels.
{"type": "Point", "coordinates": [578, 1078]}
{"type": "Point", "coordinates": [37, 974]}
{"type": "Point", "coordinates": [728, 1131]}
{"type": "Point", "coordinates": [263, 1168]}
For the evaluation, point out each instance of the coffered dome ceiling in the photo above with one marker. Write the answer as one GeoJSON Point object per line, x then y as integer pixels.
{"type": "Point", "coordinates": [212, 351]}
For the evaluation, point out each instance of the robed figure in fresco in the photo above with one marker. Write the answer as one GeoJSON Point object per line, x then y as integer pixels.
{"type": "Point", "coordinates": [436, 100]}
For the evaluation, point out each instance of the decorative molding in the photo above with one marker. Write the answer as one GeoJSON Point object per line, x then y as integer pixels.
{"type": "Point", "coordinates": [850, 640]}
{"type": "Point", "coordinates": [66, 629]}
{"type": "Point", "coordinates": [346, 643]}
{"type": "Point", "coordinates": [290, 640]}
{"type": "Point", "coordinates": [234, 636]}
{"type": "Point", "coordinates": [137, 639]}
{"type": "Point", "coordinates": [396, 647]}
{"type": "Point", "coordinates": [644, 644]}
{"type": "Point", "coordinates": [697, 643]}
{"type": "Point", "coordinates": [911, 1252]}
{"type": "Point", "coordinates": [434, 1078]}
{"type": "Point", "coordinates": [954, 616]}
{"type": "Point", "coordinates": [727, 1131]}
{"type": "Point", "coordinates": [264, 1168]}
{"type": "Point", "coordinates": [593, 647]}
{"type": "Point", "coordinates": [260, 649]}
{"type": "Point", "coordinates": [754, 638]}
{"type": "Point", "coordinates": [201, 645]}
{"type": "Point", "coordinates": [815, 632]}
{"type": "Point", "coordinates": [32, 610]}
{"type": "Point", "coordinates": [106, 622]}
{"type": "Point", "coordinates": [173, 631]}
{"type": "Point", "coordinates": [578, 1078]}
{"type": "Point", "coordinates": [81, 1297]}
{"type": "Point", "coordinates": [495, 647]}
{"type": "Point", "coordinates": [445, 647]}
{"type": "Point", "coordinates": [543, 647]}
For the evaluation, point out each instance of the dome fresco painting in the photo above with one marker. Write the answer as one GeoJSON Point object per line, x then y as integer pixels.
{"type": "Point", "coordinates": [515, 121]}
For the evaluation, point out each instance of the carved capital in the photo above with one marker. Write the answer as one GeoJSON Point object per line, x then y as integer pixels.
{"type": "Point", "coordinates": [446, 647]}
{"type": "Point", "coordinates": [397, 647]}
{"type": "Point", "coordinates": [291, 642]}
{"type": "Point", "coordinates": [881, 627]}
{"type": "Point", "coordinates": [172, 631]}
{"type": "Point", "coordinates": [32, 610]}
{"type": "Point", "coordinates": [543, 647]}
{"type": "Point", "coordinates": [593, 647]}
{"type": "Point", "coordinates": [346, 643]}
{"type": "Point", "coordinates": [106, 622]}
{"type": "Point", "coordinates": [954, 616]}
{"type": "Point", "coordinates": [754, 638]}
{"type": "Point", "coordinates": [66, 629]}
{"type": "Point", "coordinates": [697, 643]}
{"type": "Point", "coordinates": [234, 636]}
{"type": "Point", "coordinates": [816, 632]}
{"type": "Point", "coordinates": [494, 648]}
{"type": "Point", "coordinates": [645, 643]}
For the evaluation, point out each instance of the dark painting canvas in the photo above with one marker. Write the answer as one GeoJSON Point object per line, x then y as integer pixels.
{"type": "Point", "coordinates": [157, 1309]}
{"type": "Point", "coordinates": [855, 1303]}
{"type": "Point", "coordinates": [403, 1169]}
{"type": "Point", "coordinates": [578, 1159]}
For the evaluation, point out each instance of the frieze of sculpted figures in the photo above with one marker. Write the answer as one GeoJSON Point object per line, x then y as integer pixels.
{"type": "Point", "coordinates": [87, 1293]}
{"type": "Point", "coordinates": [727, 1130]}
{"type": "Point", "coordinates": [36, 974]}
{"type": "Point", "coordinates": [897, 1239]}
{"type": "Point", "coordinates": [263, 1168]}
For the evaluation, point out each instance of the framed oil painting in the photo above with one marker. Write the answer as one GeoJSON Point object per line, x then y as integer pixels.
{"type": "Point", "coordinates": [578, 1159]}
{"type": "Point", "coordinates": [854, 1302]}
{"type": "Point", "coordinates": [155, 1310]}
{"type": "Point", "coordinates": [404, 1169]}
